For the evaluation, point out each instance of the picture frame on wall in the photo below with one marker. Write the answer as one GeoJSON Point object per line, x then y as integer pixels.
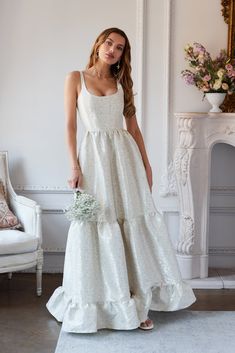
{"type": "Point", "coordinates": [228, 12]}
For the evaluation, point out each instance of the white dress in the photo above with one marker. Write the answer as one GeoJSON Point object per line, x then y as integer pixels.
{"type": "Point", "coordinates": [123, 265]}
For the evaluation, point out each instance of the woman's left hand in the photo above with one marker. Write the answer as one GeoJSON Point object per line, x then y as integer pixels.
{"type": "Point", "coordinates": [148, 170]}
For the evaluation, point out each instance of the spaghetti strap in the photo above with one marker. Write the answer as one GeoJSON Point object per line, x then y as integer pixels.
{"type": "Point", "coordinates": [82, 78]}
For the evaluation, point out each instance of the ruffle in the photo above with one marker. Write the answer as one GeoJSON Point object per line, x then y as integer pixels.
{"type": "Point", "coordinates": [90, 317]}
{"type": "Point", "coordinates": [125, 314]}
{"type": "Point", "coordinates": [111, 260]}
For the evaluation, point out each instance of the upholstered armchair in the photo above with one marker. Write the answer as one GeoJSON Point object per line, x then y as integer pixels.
{"type": "Point", "coordinates": [20, 249]}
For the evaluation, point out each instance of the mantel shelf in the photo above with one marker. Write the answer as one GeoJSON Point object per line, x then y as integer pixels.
{"type": "Point", "coordinates": [204, 115]}
{"type": "Point", "coordinates": [196, 115]}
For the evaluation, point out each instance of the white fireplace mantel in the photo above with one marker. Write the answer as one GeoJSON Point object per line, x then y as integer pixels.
{"type": "Point", "coordinates": [197, 134]}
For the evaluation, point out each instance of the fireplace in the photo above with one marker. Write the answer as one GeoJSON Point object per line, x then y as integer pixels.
{"type": "Point", "coordinates": [197, 134]}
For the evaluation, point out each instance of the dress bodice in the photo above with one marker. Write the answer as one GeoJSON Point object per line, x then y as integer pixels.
{"type": "Point", "coordinates": [101, 112]}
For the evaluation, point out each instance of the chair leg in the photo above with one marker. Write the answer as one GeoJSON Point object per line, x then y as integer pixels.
{"type": "Point", "coordinates": [9, 275]}
{"type": "Point", "coordinates": [39, 280]}
{"type": "Point", "coordinates": [39, 272]}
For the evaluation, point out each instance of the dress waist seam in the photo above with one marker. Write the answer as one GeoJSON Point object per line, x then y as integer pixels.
{"type": "Point", "coordinates": [105, 130]}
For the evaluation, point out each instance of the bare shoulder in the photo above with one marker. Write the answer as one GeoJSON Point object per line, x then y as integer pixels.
{"type": "Point", "coordinates": [72, 77]}
{"type": "Point", "coordinates": [73, 81]}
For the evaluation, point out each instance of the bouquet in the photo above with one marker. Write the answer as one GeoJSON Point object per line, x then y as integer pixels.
{"type": "Point", "coordinates": [208, 75]}
{"type": "Point", "coordinates": [84, 207]}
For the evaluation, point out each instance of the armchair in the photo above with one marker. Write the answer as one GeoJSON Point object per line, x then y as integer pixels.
{"type": "Point", "coordinates": [20, 250]}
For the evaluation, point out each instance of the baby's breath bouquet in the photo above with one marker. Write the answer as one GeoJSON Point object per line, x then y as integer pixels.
{"type": "Point", "coordinates": [84, 207]}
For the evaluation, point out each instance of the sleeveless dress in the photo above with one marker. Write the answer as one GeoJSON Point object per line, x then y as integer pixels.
{"type": "Point", "coordinates": [118, 268]}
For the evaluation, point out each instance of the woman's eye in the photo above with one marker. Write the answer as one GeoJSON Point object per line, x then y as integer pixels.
{"type": "Point", "coordinates": [109, 43]}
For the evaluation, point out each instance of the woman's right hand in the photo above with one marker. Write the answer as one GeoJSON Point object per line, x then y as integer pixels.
{"type": "Point", "coordinates": [76, 179]}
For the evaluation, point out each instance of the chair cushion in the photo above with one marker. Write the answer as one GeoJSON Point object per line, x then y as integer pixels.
{"type": "Point", "coordinates": [13, 241]}
{"type": "Point", "coordinates": [7, 219]}
{"type": "Point", "coordinates": [17, 262]}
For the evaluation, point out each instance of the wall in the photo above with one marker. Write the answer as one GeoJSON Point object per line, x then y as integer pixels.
{"type": "Point", "coordinates": [43, 40]}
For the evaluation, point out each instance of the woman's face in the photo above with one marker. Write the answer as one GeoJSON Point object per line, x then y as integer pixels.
{"type": "Point", "coordinates": [111, 50]}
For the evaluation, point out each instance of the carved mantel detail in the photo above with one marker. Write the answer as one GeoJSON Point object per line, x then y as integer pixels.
{"type": "Point", "coordinates": [181, 165]}
{"type": "Point", "coordinates": [185, 244]}
{"type": "Point", "coordinates": [197, 134]}
{"type": "Point", "coordinates": [186, 132]}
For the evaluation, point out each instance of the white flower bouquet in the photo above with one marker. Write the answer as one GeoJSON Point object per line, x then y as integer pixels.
{"type": "Point", "coordinates": [84, 207]}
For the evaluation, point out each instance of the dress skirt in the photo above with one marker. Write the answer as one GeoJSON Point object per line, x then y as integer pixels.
{"type": "Point", "coordinates": [118, 268]}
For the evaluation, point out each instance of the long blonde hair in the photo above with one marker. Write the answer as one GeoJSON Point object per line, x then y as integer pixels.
{"type": "Point", "coordinates": [123, 75]}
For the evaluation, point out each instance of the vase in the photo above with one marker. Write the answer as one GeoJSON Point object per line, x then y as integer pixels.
{"type": "Point", "coordinates": [215, 99]}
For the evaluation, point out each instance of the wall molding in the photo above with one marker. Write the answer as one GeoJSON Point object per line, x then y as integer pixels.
{"type": "Point", "coordinates": [167, 185]}
{"type": "Point", "coordinates": [223, 190]}
{"type": "Point", "coordinates": [166, 89]}
{"type": "Point", "coordinates": [214, 250]}
{"type": "Point", "coordinates": [42, 189]}
{"type": "Point", "coordinates": [223, 251]}
{"type": "Point", "coordinates": [228, 210]}
{"type": "Point", "coordinates": [53, 210]}
{"type": "Point", "coordinates": [48, 189]}
{"type": "Point", "coordinates": [140, 58]}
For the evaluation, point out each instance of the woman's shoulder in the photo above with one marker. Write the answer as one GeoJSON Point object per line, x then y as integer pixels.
{"type": "Point", "coordinates": [73, 80]}
{"type": "Point", "coordinates": [73, 75]}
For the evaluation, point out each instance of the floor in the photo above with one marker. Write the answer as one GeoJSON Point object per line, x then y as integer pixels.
{"type": "Point", "coordinates": [27, 327]}
{"type": "Point", "coordinates": [218, 278]}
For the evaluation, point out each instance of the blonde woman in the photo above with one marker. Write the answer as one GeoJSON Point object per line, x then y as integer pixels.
{"type": "Point", "coordinates": [122, 265]}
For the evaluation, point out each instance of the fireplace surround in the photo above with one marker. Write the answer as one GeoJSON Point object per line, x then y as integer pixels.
{"type": "Point", "coordinates": [197, 134]}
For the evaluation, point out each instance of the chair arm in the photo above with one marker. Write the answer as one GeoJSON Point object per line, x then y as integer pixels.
{"type": "Point", "coordinates": [28, 213]}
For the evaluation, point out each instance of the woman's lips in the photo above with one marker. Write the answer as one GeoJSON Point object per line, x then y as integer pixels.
{"type": "Point", "coordinates": [109, 56]}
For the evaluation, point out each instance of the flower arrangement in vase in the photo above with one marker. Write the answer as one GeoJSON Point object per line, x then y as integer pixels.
{"type": "Point", "coordinates": [214, 77]}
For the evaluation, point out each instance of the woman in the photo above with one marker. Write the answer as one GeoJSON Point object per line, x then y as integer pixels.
{"type": "Point", "coordinates": [117, 268]}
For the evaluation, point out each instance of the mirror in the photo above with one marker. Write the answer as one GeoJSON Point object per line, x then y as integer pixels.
{"type": "Point", "coordinates": [228, 12]}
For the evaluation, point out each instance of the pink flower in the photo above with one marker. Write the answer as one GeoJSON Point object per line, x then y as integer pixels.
{"type": "Point", "coordinates": [231, 73]}
{"type": "Point", "coordinates": [228, 67]}
{"type": "Point", "coordinates": [207, 77]}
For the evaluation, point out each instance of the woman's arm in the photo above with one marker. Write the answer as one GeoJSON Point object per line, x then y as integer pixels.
{"type": "Point", "coordinates": [134, 130]}
{"type": "Point", "coordinates": [70, 101]}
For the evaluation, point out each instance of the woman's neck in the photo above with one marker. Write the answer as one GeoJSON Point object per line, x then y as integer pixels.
{"type": "Point", "coordinates": [102, 71]}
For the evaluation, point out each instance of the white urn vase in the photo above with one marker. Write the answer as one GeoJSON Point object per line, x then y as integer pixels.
{"type": "Point", "coordinates": [215, 99]}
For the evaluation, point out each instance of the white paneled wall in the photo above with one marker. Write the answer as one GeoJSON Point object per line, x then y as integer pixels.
{"type": "Point", "coordinates": [43, 40]}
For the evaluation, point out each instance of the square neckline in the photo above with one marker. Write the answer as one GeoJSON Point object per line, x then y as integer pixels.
{"type": "Point", "coordinates": [95, 95]}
